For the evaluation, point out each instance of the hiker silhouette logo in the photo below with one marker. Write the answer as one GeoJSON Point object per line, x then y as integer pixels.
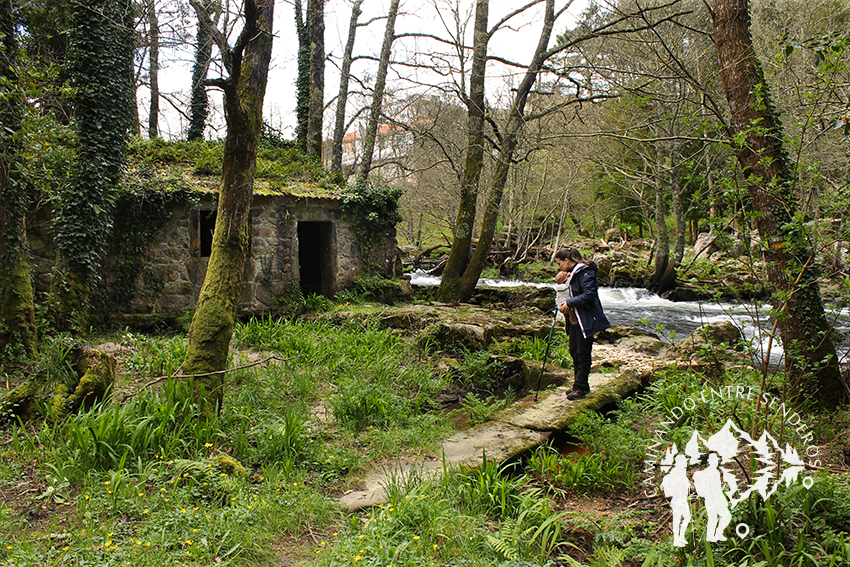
{"type": "Point", "coordinates": [711, 463]}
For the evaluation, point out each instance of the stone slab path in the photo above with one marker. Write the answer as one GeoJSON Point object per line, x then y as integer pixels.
{"type": "Point", "coordinates": [518, 428]}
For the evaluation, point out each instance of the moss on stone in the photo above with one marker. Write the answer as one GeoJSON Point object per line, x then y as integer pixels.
{"type": "Point", "coordinates": [69, 300]}
{"type": "Point", "coordinates": [17, 327]}
{"type": "Point", "coordinates": [229, 465]}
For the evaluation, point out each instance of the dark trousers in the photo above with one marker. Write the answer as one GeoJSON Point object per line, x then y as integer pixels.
{"type": "Point", "coordinates": [580, 351]}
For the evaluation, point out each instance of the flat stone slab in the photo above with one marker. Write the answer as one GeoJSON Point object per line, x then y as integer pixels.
{"type": "Point", "coordinates": [524, 425]}
{"type": "Point", "coordinates": [554, 412]}
{"type": "Point", "coordinates": [499, 441]}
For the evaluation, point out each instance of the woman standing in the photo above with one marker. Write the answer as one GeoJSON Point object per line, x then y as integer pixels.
{"type": "Point", "coordinates": [577, 298]}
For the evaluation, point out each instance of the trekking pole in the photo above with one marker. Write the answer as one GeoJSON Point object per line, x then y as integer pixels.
{"type": "Point", "coordinates": [546, 355]}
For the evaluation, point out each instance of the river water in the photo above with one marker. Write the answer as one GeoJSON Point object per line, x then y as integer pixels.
{"type": "Point", "coordinates": [675, 319]}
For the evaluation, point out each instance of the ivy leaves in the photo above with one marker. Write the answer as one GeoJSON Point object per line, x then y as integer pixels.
{"type": "Point", "coordinates": [102, 50]}
{"type": "Point", "coordinates": [373, 209]}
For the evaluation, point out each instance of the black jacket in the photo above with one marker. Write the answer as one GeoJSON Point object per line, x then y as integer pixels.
{"type": "Point", "coordinates": [584, 300]}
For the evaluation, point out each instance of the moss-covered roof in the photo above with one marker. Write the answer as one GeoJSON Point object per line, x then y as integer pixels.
{"type": "Point", "coordinates": [157, 165]}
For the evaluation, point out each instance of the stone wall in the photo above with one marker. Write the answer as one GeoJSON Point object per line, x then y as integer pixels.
{"type": "Point", "coordinates": [174, 270]}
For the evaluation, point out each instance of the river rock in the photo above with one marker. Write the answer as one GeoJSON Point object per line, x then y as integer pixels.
{"type": "Point", "coordinates": [643, 344]}
{"type": "Point", "coordinates": [615, 333]}
{"type": "Point", "coordinates": [710, 334]}
{"type": "Point", "coordinates": [705, 245]}
{"type": "Point", "coordinates": [453, 335]}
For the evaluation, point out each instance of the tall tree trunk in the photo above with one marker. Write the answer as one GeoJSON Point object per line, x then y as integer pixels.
{"type": "Point", "coordinates": [199, 103]}
{"type": "Point", "coordinates": [244, 90]}
{"type": "Point", "coordinates": [342, 97]}
{"type": "Point", "coordinates": [378, 95]}
{"type": "Point", "coordinates": [810, 358]}
{"type": "Point", "coordinates": [135, 121]}
{"type": "Point", "coordinates": [473, 161]}
{"type": "Point", "coordinates": [153, 38]}
{"type": "Point", "coordinates": [316, 29]}
{"type": "Point", "coordinates": [17, 314]}
{"type": "Point", "coordinates": [302, 81]}
{"type": "Point", "coordinates": [668, 278]}
{"type": "Point", "coordinates": [662, 238]}
{"type": "Point", "coordinates": [103, 64]}
{"type": "Point", "coordinates": [511, 135]}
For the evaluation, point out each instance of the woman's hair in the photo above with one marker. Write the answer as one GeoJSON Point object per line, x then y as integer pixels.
{"type": "Point", "coordinates": [569, 253]}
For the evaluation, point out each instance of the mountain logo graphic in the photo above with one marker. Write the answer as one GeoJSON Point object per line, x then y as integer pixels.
{"type": "Point", "coordinates": [711, 463]}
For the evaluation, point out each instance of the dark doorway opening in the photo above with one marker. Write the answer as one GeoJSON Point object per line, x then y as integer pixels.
{"type": "Point", "coordinates": [207, 222]}
{"type": "Point", "coordinates": [315, 258]}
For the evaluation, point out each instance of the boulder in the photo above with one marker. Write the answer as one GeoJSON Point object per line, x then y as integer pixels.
{"type": "Point", "coordinates": [613, 235]}
{"type": "Point", "coordinates": [706, 245]}
{"type": "Point", "coordinates": [707, 335]}
{"type": "Point", "coordinates": [455, 335]}
{"type": "Point", "coordinates": [643, 344]}
{"type": "Point", "coordinates": [615, 333]}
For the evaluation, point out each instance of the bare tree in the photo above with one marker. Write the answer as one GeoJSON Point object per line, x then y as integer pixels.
{"type": "Point", "coordinates": [342, 97]}
{"type": "Point", "coordinates": [378, 95]}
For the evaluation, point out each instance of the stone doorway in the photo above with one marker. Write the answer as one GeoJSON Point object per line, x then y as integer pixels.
{"type": "Point", "coordinates": [316, 257]}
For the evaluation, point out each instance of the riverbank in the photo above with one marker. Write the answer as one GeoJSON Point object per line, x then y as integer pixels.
{"type": "Point", "coordinates": [724, 275]}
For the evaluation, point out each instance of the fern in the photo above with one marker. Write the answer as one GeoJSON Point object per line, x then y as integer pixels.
{"type": "Point", "coordinates": [505, 542]}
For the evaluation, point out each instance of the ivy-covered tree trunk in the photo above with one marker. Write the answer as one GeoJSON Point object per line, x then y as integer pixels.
{"type": "Point", "coordinates": [342, 97]}
{"type": "Point", "coordinates": [302, 81]}
{"type": "Point", "coordinates": [244, 89]}
{"type": "Point", "coordinates": [102, 53]}
{"type": "Point", "coordinates": [378, 95]}
{"type": "Point", "coordinates": [199, 103]}
{"type": "Point", "coordinates": [810, 358]}
{"type": "Point", "coordinates": [473, 161]}
{"type": "Point", "coordinates": [153, 69]}
{"type": "Point", "coordinates": [17, 316]}
{"type": "Point", "coordinates": [316, 29]}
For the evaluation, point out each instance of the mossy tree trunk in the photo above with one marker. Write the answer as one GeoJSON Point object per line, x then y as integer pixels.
{"type": "Point", "coordinates": [102, 72]}
{"type": "Point", "coordinates": [473, 160]}
{"type": "Point", "coordinates": [17, 316]}
{"type": "Point", "coordinates": [302, 81]}
{"type": "Point", "coordinates": [247, 64]}
{"type": "Point", "coordinates": [316, 30]}
{"type": "Point", "coordinates": [510, 139]}
{"type": "Point", "coordinates": [199, 103]}
{"type": "Point", "coordinates": [153, 70]}
{"type": "Point", "coordinates": [91, 374]}
{"type": "Point", "coordinates": [810, 358]}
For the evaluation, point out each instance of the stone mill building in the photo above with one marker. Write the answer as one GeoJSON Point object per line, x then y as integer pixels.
{"type": "Point", "coordinates": [300, 241]}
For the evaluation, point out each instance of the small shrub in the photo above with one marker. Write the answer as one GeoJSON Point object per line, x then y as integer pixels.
{"type": "Point", "coordinates": [315, 303]}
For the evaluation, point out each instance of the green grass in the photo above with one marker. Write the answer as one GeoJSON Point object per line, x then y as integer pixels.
{"type": "Point", "coordinates": [145, 482]}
